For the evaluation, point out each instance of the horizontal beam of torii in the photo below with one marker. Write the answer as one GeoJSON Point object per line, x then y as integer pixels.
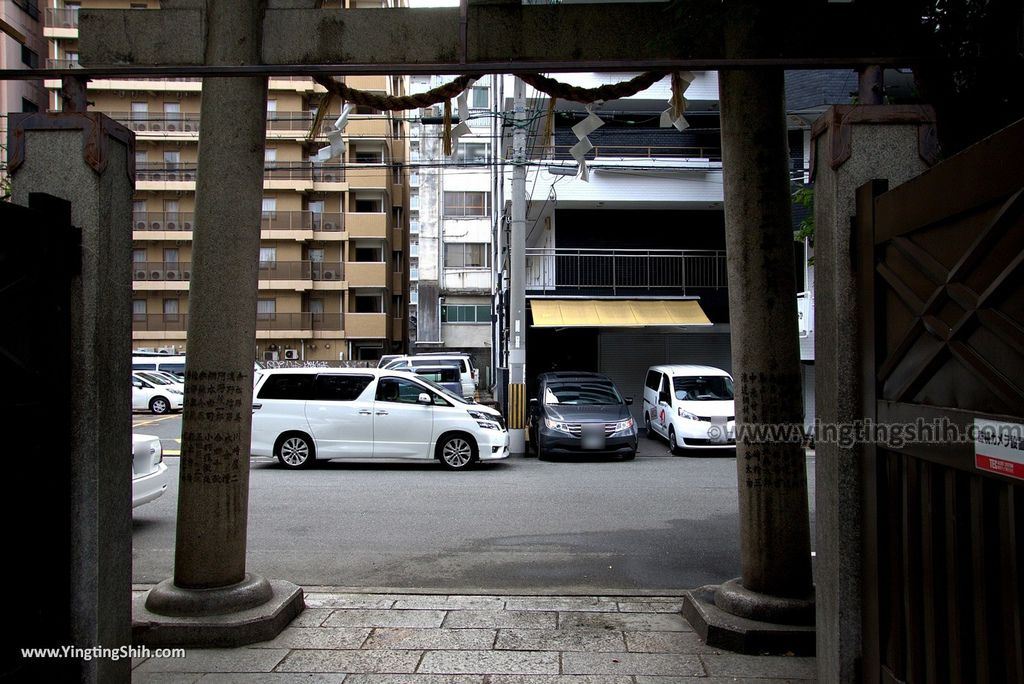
{"type": "Point", "coordinates": [299, 39]}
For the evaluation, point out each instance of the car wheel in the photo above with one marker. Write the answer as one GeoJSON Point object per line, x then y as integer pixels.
{"type": "Point", "coordinates": [456, 452]}
{"type": "Point", "coordinates": [296, 451]}
{"type": "Point", "coordinates": [159, 405]}
{"type": "Point", "coordinates": [673, 446]}
{"type": "Point", "coordinates": [647, 424]}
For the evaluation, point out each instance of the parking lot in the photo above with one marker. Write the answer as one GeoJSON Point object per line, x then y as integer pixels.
{"type": "Point", "coordinates": [572, 524]}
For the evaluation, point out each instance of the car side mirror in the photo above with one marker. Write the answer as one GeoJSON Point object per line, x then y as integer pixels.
{"type": "Point", "coordinates": [424, 398]}
{"type": "Point", "coordinates": [629, 400]}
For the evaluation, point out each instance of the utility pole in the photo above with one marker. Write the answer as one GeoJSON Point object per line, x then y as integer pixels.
{"type": "Point", "coordinates": [517, 278]}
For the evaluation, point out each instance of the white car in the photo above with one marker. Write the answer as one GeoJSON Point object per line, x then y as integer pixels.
{"type": "Point", "coordinates": [162, 378]}
{"type": "Point", "coordinates": [149, 472]}
{"type": "Point", "coordinates": [147, 395]}
{"type": "Point", "coordinates": [304, 414]}
{"type": "Point", "coordinates": [690, 406]}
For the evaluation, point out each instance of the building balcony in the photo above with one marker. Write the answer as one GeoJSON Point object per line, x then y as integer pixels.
{"type": "Point", "coordinates": [296, 225]}
{"type": "Point", "coordinates": [63, 64]}
{"type": "Point", "coordinates": [156, 223]}
{"type": "Point", "coordinates": [378, 83]}
{"type": "Point", "coordinates": [162, 124]}
{"type": "Point", "coordinates": [623, 272]}
{"type": "Point", "coordinates": [366, 225]}
{"type": "Point", "coordinates": [289, 175]}
{"type": "Point", "coordinates": [366, 325]}
{"type": "Point", "coordinates": [366, 274]}
{"type": "Point", "coordinates": [272, 274]}
{"type": "Point", "coordinates": [61, 22]}
{"type": "Point", "coordinates": [369, 177]}
{"type": "Point", "coordinates": [362, 126]}
{"type": "Point", "coordinates": [299, 324]}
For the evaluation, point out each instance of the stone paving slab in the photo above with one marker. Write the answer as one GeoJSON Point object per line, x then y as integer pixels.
{"type": "Point", "coordinates": [513, 619]}
{"type": "Point", "coordinates": [273, 678]}
{"type": "Point", "coordinates": [451, 603]}
{"type": "Point", "coordinates": [648, 622]}
{"type": "Point", "coordinates": [632, 663]}
{"type": "Point", "coordinates": [559, 640]}
{"type": "Point", "coordinates": [415, 679]}
{"type": "Point", "coordinates": [312, 617]}
{"type": "Point", "coordinates": [318, 637]}
{"type": "Point", "coordinates": [385, 618]}
{"type": "Point", "coordinates": [376, 601]}
{"type": "Point", "coordinates": [559, 679]}
{"type": "Point", "coordinates": [217, 660]}
{"type": "Point", "coordinates": [724, 664]}
{"type": "Point", "coordinates": [491, 662]}
{"type": "Point", "coordinates": [560, 603]}
{"type": "Point", "coordinates": [666, 642]}
{"type": "Point", "coordinates": [431, 639]}
{"type": "Point", "coordinates": [399, 662]}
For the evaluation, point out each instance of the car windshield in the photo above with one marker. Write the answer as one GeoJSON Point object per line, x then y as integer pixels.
{"type": "Point", "coordinates": [699, 388]}
{"type": "Point", "coordinates": [582, 394]}
{"type": "Point", "coordinates": [156, 379]}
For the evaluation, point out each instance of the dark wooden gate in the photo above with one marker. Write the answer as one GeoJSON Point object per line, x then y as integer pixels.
{"type": "Point", "coordinates": [940, 263]}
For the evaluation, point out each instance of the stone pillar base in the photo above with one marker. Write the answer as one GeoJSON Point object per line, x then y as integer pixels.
{"type": "Point", "coordinates": [722, 629]}
{"type": "Point", "coordinates": [254, 610]}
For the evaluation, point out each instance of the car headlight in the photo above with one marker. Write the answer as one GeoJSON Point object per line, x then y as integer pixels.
{"type": "Point", "coordinates": [624, 425]}
{"type": "Point", "coordinates": [688, 415]}
{"type": "Point", "coordinates": [556, 425]}
{"type": "Point", "coordinates": [487, 425]}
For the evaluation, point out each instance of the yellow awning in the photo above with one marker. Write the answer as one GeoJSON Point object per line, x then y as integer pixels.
{"type": "Point", "coordinates": [619, 313]}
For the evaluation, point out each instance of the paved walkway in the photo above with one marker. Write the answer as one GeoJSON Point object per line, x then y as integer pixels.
{"type": "Point", "coordinates": [394, 638]}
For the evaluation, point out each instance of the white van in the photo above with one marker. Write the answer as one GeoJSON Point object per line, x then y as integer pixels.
{"type": "Point", "coordinates": [470, 374]}
{"type": "Point", "coordinates": [303, 414]}
{"type": "Point", "coordinates": [174, 364]}
{"type": "Point", "coordinates": [690, 406]}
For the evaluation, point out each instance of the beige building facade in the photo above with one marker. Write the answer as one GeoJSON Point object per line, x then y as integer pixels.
{"type": "Point", "coordinates": [333, 256]}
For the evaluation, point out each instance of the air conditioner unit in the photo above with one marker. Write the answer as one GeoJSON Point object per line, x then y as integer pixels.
{"type": "Point", "coordinates": [329, 275]}
{"type": "Point", "coordinates": [186, 275]}
{"type": "Point", "coordinates": [155, 126]}
{"type": "Point", "coordinates": [291, 354]}
{"type": "Point", "coordinates": [172, 275]}
{"type": "Point", "coordinates": [167, 350]}
{"type": "Point", "coordinates": [328, 225]}
{"type": "Point", "coordinates": [187, 225]}
{"type": "Point", "coordinates": [270, 356]}
{"type": "Point", "coordinates": [140, 274]}
{"type": "Point", "coordinates": [146, 350]}
{"type": "Point", "coordinates": [156, 275]}
{"type": "Point", "coordinates": [172, 127]}
{"type": "Point", "coordinates": [189, 126]}
{"type": "Point", "coordinates": [139, 126]}
{"type": "Point", "coordinates": [156, 225]}
{"type": "Point", "coordinates": [140, 225]}
{"type": "Point", "coordinates": [188, 176]}
{"type": "Point", "coordinates": [171, 225]}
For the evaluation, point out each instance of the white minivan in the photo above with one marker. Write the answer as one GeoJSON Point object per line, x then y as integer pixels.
{"type": "Point", "coordinates": [690, 406]}
{"type": "Point", "coordinates": [300, 415]}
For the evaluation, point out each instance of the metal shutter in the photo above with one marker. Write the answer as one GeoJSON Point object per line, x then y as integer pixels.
{"type": "Point", "coordinates": [624, 356]}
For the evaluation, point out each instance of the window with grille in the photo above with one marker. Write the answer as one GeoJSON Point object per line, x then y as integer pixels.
{"type": "Point", "coordinates": [462, 204]}
{"type": "Point", "coordinates": [472, 152]}
{"type": "Point", "coordinates": [467, 255]}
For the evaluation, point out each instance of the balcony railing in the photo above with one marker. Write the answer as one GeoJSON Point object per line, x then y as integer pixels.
{"type": "Point", "coordinates": [186, 171]}
{"type": "Point", "coordinates": [643, 152]}
{"type": "Point", "coordinates": [304, 322]}
{"type": "Point", "coordinates": [623, 271]}
{"type": "Point", "coordinates": [271, 220]}
{"type": "Point", "coordinates": [61, 17]}
{"type": "Point", "coordinates": [269, 270]}
{"type": "Point", "coordinates": [162, 122]}
{"type": "Point", "coordinates": [63, 64]}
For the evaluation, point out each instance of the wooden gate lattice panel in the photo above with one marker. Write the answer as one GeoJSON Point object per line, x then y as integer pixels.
{"type": "Point", "coordinates": [942, 272]}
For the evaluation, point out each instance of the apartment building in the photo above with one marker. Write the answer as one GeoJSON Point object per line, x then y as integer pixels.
{"type": "Point", "coordinates": [23, 48]}
{"type": "Point", "coordinates": [333, 255]}
{"type": "Point", "coordinates": [453, 205]}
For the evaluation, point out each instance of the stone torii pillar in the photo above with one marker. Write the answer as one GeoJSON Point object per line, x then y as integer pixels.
{"type": "Point", "coordinates": [212, 600]}
{"type": "Point", "coordinates": [771, 606]}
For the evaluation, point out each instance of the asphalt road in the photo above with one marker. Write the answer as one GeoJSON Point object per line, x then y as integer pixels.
{"type": "Point", "coordinates": [572, 525]}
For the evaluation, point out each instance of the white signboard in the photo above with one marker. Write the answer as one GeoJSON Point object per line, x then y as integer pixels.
{"type": "Point", "coordinates": [999, 447]}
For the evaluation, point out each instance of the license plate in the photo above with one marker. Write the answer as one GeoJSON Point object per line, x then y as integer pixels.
{"type": "Point", "coordinates": [718, 433]}
{"type": "Point", "coordinates": [593, 439]}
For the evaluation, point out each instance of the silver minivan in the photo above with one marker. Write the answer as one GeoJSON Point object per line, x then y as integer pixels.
{"type": "Point", "coordinates": [470, 374]}
{"type": "Point", "coordinates": [304, 414]}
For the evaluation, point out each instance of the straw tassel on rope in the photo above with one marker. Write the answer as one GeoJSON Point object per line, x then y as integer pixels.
{"type": "Point", "coordinates": [446, 133]}
{"type": "Point", "coordinates": [549, 125]}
